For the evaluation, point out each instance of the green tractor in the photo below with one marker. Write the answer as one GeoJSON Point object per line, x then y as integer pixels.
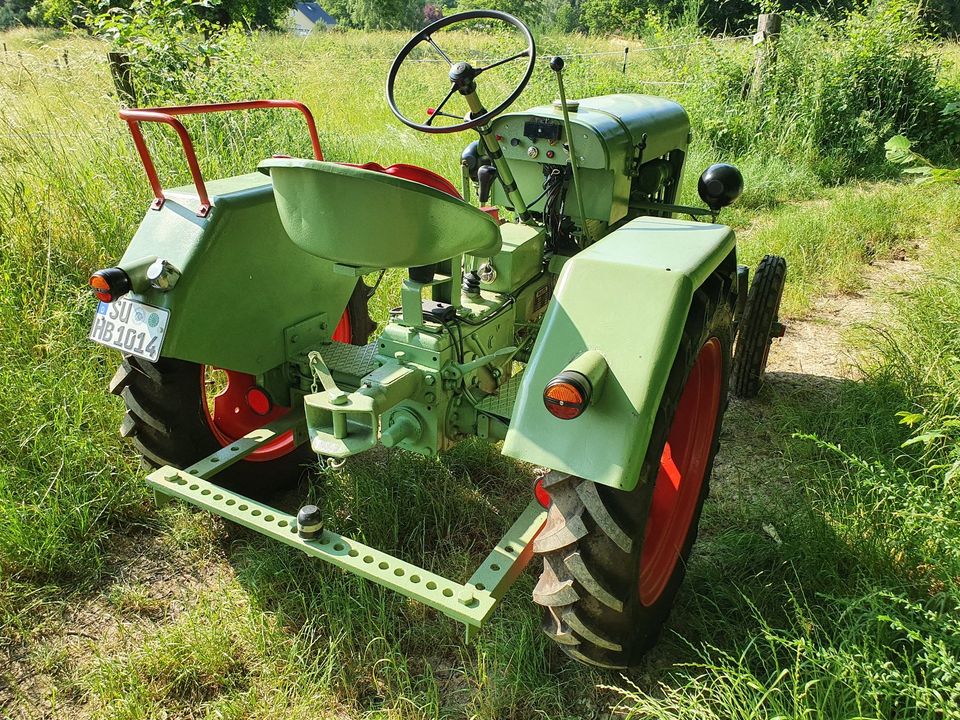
{"type": "Point", "coordinates": [565, 313]}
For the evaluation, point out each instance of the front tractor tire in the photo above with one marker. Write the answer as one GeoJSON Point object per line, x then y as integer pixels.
{"type": "Point", "coordinates": [614, 560]}
{"type": "Point", "coordinates": [759, 326]}
{"type": "Point", "coordinates": [178, 412]}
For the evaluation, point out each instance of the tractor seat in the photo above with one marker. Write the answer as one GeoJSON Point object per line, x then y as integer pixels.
{"type": "Point", "coordinates": [371, 218]}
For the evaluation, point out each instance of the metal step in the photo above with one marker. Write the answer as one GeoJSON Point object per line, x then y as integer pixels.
{"type": "Point", "coordinates": [502, 403]}
{"type": "Point", "coordinates": [352, 361]}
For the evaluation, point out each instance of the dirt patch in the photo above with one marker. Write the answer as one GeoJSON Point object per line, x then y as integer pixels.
{"type": "Point", "coordinates": [811, 358]}
{"type": "Point", "coordinates": [148, 583]}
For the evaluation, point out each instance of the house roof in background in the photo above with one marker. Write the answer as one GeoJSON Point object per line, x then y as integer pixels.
{"type": "Point", "coordinates": [315, 14]}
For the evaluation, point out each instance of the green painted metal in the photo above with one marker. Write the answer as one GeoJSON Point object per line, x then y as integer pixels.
{"type": "Point", "coordinates": [243, 282]}
{"type": "Point", "coordinates": [627, 297]}
{"type": "Point", "coordinates": [470, 603]}
{"type": "Point", "coordinates": [366, 218]}
{"type": "Point", "coordinates": [519, 260]}
{"type": "Point", "coordinates": [611, 132]}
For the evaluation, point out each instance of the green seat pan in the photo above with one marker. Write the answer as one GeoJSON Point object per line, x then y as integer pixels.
{"type": "Point", "coordinates": [366, 218]}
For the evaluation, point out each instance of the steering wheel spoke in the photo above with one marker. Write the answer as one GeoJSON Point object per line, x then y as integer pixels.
{"type": "Point", "coordinates": [437, 110]}
{"type": "Point", "coordinates": [461, 73]}
{"type": "Point", "coordinates": [439, 49]}
{"type": "Point", "coordinates": [504, 61]}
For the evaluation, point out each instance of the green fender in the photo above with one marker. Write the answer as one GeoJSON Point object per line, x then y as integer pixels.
{"type": "Point", "coordinates": [627, 297]}
{"type": "Point", "coordinates": [243, 282]}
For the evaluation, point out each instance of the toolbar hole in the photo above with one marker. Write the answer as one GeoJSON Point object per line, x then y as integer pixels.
{"type": "Point", "coordinates": [398, 572]}
{"type": "Point", "coordinates": [255, 512]}
{"type": "Point", "coordinates": [447, 592]}
{"type": "Point", "coordinates": [368, 558]}
{"type": "Point", "coordinates": [431, 585]}
{"type": "Point", "coordinates": [218, 496]}
{"type": "Point", "coordinates": [214, 459]}
{"type": "Point", "coordinates": [508, 549]}
{"type": "Point", "coordinates": [242, 507]}
{"type": "Point", "coordinates": [231, 501]}
{"type": "Point", "coordinates": [383, 565]}
{"type": "Point", "coordinates": [197, 487]}
{"type": "Point", "coordinates": [282, 523]}
{"type": "Point", "coordinates": [339, 547]}
{"type": "Point", "coordinates": [269, 518]}
{"type": "Point", "coordinates": [480, 586]}
{"type": "Point", "coordinates": [234, 449]}
{"type": "Point", "coordinates": [205, 491]}
{"type": "Point", "coordinates": [414, 578]}
{"type": "Point", "coordinates": [494, 567]}
{"type": "Point", "coordinates": [353, 553]}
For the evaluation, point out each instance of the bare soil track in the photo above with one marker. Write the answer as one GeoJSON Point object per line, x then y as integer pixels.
{"type": "Point", "coordinates": [149, 585]}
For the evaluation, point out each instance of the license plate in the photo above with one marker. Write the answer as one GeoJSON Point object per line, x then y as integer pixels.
{"type": "Point", "coordinates": [131, 327]}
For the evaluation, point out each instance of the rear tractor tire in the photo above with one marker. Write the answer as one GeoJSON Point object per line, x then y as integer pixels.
{"type": "Point", "coordinates": [179, 412]}
{"type": "Point", "coordinates": [614, 560]}
{"type": "Point", "coordinates": [759, 326]}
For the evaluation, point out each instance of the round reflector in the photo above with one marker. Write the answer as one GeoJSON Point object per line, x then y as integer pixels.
{"type": "Point", "coordinates": [109, 284]}
{"type": "Point", "coordinates": [567, 395]}
{"type": "Point", "coordinates": [259, 401]}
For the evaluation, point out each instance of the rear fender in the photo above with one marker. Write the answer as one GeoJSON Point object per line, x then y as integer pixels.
{"type": "Point", "coordinates": [627, 297]}
{"type": "Point", "coordinates": [243, 282]}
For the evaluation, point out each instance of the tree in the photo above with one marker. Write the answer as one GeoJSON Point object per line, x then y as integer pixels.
{"type": "Point", "coordinates": [377, 14]}
{"type": "Point", "coordinates": [14, 12]}
{"type": "Point", "coordinates": [267, 14]}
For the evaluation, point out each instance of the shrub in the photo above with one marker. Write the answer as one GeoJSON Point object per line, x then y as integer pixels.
{"type": "Point", "coordinates": [834, 94]}
{"type": "Point", "coordinates": [176, 57]}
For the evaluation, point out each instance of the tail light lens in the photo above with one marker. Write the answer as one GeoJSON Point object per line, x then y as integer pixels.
{"type": "Point", "coordinates": [109, 284]}
{"type": "Point", "coordinates": [567, 395]}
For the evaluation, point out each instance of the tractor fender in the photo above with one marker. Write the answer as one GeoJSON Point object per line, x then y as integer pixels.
{"type": "Point", "coordinates": [243, 283]}
{"type": "Point", "coordinates": [627, 297]}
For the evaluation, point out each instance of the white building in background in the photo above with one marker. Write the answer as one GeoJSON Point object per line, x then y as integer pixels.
{"type": "Point", "coordinates": [308, 16]}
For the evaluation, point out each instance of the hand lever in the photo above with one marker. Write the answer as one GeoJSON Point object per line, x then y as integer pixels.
{"type": "Point", "coordinates": [485, 177]}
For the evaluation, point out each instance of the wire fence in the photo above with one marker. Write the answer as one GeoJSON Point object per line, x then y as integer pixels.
{"type": "Point", "coordinates": [63, 64]}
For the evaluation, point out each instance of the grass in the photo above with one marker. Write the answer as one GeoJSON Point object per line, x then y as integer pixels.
{"type": "Point", "coordinates": [114, 608]}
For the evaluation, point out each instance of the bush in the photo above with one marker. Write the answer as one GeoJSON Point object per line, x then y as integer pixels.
{"type": "Point", "coordinates": [834, 94]}
{"type": "Point", "coordinates": [176, 57]}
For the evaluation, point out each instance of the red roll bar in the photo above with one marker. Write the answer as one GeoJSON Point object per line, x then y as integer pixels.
{"type": "Point", "coordinates": [167, 115]}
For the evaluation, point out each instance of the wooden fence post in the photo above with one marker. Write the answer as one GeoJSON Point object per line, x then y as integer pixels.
{"type": "Point", "coordinates": [122, 78]}
{"type": "Point", "coordinates": [625, 51]}
{"type": "Point", "coordinates": [765, 40]}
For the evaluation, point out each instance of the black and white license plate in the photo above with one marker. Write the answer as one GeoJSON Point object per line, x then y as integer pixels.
{"type": "Point", "coordinates": [131, 327]}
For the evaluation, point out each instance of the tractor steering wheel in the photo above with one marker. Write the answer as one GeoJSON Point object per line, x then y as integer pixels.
{"type": "Point", "coordinates": [462, 75]}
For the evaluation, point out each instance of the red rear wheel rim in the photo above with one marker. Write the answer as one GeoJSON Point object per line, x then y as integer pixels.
{"type": "Point", "coordinates": [230, 414]}
{"type": "Point", "coordinates": [683, 466]}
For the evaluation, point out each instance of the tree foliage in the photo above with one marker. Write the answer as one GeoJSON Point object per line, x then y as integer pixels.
{"type": "Point", "coordinates": [377, 14]}
{"type": "Point", "coordinates": [267, 14]}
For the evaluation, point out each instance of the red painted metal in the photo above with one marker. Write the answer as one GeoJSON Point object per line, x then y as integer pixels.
{"type": "Point", "coordinates": [232, 416]}
{"type": "Point", "coordinates": [167, 116]}
{"type": "Point", "coordinates": [683, 467]}
{"type": "Point", "coordinates": [414, 173]}
{"type": "Point", "coordinates": [542, 496]}
{"type": "Point", "coordinates": [239, 407]}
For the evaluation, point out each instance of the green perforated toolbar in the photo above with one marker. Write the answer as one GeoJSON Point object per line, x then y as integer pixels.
{"type": "Point", "coordinates": [471, 602]}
